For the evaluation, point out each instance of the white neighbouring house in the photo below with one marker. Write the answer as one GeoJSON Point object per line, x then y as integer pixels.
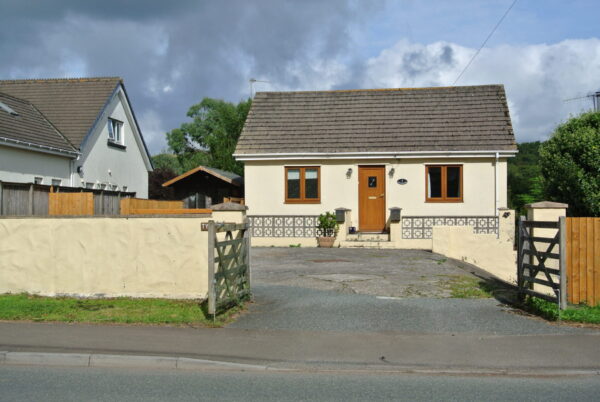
{"type": "Point", "coordinates": [72, 132]}
{"type": "Point", "coordinates": [393, 163]}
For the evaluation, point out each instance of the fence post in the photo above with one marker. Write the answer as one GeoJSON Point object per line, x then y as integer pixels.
{"type": "Point", "coordinates": [102, 202]}
{"type": "Point", "coordinates": [520, 241]}
{"type": "Point", "coordinates": [562, 227]}
{"type": "Point", "coordinates": [212, 297]}
{"type": "Point", "coordinates": [247, 242]}
{"type": "Point", "coordinates": [30, 206]}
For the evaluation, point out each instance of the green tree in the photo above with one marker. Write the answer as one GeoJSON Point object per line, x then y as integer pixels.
{"type": "Point", "coordinates": [570, 164]}
{"type": "Point", "coordinates": [167, 161]}
{"type": "Point", "coordinates": [525, 184]}
{"type": "Point", "coordinates": [210, 138]}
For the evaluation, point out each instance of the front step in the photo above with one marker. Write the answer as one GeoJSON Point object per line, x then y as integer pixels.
{"type": "Point", "coordinates": [366, 244]}
{"type": "Point", "coordinates": [376, 237]}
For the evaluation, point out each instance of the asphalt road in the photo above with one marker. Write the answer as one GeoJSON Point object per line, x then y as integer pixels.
{"type": "Point", "coordinates": [68, 384]}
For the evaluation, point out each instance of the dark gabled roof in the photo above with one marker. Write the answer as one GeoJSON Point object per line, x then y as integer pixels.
{"type": "Point", "coordinates": [71, 104]}
{"type": "Point", "coordinates": [228, 177]}
{"type": "Point", "coordinates": [28, 126]}
{"type": "Point", "coordinates": [468, 118]}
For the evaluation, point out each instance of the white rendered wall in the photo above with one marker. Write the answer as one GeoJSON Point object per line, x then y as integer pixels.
{"type": "Point", "coordinates": [265, 187]}
{"type": "Point", "coordinates": [23, 166]}
{"type": "Point", "coordinates": [103, 163]}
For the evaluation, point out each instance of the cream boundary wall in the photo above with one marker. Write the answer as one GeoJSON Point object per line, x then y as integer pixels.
{"type": "Point", "coordinates": [265, 187]}
{"type": "Point", "coordinates": [164, 257]}
{"type": "Point", "coordinates": [128, 167]}
{"type": "Point", "coordinates": [494, 254]}
{"type": "Point", "coordinates": [23, 166]}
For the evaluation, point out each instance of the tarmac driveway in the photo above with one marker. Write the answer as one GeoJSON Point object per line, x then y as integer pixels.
{"type": "Point", "coordinates": [371, 290]}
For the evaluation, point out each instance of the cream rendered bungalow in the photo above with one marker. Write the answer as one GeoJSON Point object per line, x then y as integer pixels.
{"type": "Point", "coordinates": [393, 163]}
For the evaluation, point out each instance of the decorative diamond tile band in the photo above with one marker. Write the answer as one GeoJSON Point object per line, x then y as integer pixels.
{"type": "Point", "coordinates": [283, 225]}
{"type": "Point", "coordinates": [421, 227]}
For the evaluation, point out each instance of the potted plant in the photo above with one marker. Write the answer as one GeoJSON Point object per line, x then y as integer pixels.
{"type": "Point", "coordinates": [327, 229]}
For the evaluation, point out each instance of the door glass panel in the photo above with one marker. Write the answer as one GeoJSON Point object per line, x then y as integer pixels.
{"type": "Point", "coordinates": [293, 183]}
{"type": "Point", "coordinates": [453, 181]}
{"type": "Point", "coordinates": [311, 183]}
{"type": "Point", "coordinates": [372, 181]}
{"type": "Point", "coordinates": [434, 182]}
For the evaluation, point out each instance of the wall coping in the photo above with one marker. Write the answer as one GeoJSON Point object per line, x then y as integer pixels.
{"type": "Point", "coordinates": [229, 206]}
{"type": "Point", "coordinates": [547, 205]}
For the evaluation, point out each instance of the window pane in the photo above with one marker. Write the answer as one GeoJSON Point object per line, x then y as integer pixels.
{"type": "Point", "coordinates": [311, 183]}
{"type": "Point", "coordinates": [111, 133]}
{"type": "Point", "coordinates": [453, 181]}
{"type": "Point", "coordinates": [293, 183]}
{"type": "Point", "coordinates": [434, 182]}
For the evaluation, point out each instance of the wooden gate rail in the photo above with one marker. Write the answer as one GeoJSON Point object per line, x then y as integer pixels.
{"type": "Point", "coordinates": [230, 281]}
{"type": "Point", "coordinates": [529, 272]}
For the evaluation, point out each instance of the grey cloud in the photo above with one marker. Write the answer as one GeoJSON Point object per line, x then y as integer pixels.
{"type": "Point", "coordinates": [171, 54]}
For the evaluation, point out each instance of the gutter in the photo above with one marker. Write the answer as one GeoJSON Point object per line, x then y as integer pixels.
{"type": "Point", "coordinates": [376, 155]}
{"type": "Point", "coordinates": [37, 147]}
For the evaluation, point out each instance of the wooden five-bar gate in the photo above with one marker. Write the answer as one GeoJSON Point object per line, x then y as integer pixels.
{"type": "Point", "coordinates": [540, 243]}
{"type": "Point", "coordinates": [228, 264]}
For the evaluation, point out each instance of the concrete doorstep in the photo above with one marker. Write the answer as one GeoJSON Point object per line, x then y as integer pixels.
{"type": "Point", "coordinates": [190, 364]}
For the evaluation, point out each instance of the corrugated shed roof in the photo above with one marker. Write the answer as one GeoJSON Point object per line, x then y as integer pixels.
{"type": "Point", "coordinates": [71, 104]}
{"type": "Point", "coordinates": [30, 126]}
{"type": "Point", "coordinates": [467, 118]}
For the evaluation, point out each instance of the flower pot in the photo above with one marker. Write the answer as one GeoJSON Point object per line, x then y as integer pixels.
{"type": "Point", "coordinates": [326, 242]}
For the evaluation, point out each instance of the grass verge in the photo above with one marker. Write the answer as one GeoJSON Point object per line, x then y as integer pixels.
{"type": "Point", "coordinates": [549, 311]}
{"type": "Point", "coordinates": [467, 287]}
{"type": "Point", "coordinates": [104, 311]}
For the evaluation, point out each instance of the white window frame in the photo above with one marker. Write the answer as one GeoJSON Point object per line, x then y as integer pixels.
{"type": "Point", "coordinates": [38, 180]}
{"type": "Point", "coordinates": [54, 181]}
{"type": "Point", "coordinates": [115, 131]}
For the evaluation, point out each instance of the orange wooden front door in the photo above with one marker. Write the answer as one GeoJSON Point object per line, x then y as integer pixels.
{"type": "Point", "coordinates": [371, 198]}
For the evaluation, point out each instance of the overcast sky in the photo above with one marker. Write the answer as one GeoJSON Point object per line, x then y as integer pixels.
{"type": "Point", "coordinates": [171, 54]}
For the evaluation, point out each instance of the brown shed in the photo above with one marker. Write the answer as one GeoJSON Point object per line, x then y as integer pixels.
{"type": "Point", "coordinates": [204, 186]}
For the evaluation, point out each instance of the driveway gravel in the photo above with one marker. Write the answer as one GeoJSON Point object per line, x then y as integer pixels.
{"type": "Point", "coordinates": [374, 291]}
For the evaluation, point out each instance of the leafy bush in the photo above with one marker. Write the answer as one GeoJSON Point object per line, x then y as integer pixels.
{"type": "Point", "coordinates": [549, 311]}
{"type": "Point", "coordinates": [327, 225]}
{"type": "Point", "coordinates": [570, 164]}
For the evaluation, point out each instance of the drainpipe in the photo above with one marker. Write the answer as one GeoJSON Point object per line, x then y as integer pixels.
{"type": "Point", "coordinates": [497, 184]}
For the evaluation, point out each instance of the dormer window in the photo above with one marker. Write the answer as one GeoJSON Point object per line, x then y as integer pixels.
{"type": "Point", "coordinates": [115, 131]}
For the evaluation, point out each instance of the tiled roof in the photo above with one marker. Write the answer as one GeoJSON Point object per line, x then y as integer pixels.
{"type": "Point", "coordinates": [72, 105]}
{"type": "Point", "coordinates": [28, 125]}
{"type": "Point", "coordinates": [465, 118]}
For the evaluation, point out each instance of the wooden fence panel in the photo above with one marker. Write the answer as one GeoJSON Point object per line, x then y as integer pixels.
{"type": "Point", "coordinates": [130, 206]}
{"type": "Point", "coordinates": [70, 204]}
{"type": "Point", "coordinates": [40, 201]}
{"type": "Point", "coordinates": [15, 200]}
{"type": "Point", "coordinates": [583, 260]}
